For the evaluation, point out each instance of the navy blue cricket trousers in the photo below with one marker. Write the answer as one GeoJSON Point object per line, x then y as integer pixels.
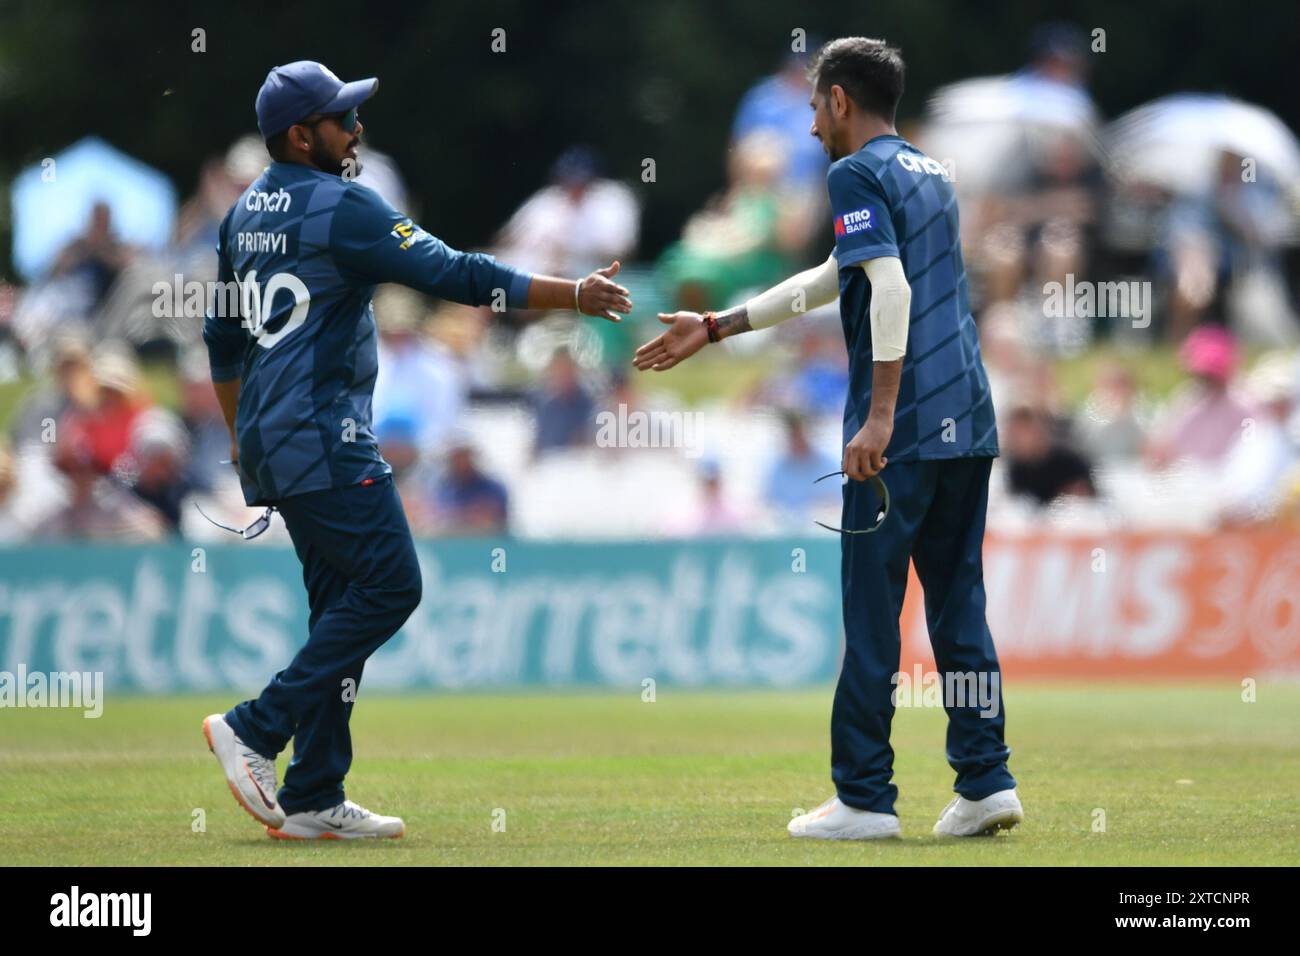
{"type": "Point", "coordinates": [363, 582]}
{"type": "Point", "coordinates": [936, 519]}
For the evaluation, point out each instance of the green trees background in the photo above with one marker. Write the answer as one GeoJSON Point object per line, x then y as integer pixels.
{"type": "Point", "coordinates": [475, 131]}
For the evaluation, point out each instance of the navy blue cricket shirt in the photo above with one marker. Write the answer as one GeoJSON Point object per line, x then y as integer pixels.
{"type": "Point", "coordinates": [307, 249]}
{"type": "Point", "coordinates": [890, 199]}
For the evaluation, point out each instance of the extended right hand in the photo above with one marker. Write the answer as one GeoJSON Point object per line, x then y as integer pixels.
{"type": "Point", "coordinates": [600, 295]}
{"type": "Point", "coordinates": [686, 335]}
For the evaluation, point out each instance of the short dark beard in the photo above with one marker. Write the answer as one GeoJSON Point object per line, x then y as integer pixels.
{"type": "Point", "coordinates": [834, 153]}
{"type": "Point", "coordinates": [323, 161]}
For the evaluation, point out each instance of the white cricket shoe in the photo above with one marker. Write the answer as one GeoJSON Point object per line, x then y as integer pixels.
{"type": "Point", "coordinates": [347, 821]}
{"type": "Point", "coordinates": [835, 821]}
{"type": "Point", "coordinates": [250, 776]}
{"type": "Point", "coordinates": [997, 811]}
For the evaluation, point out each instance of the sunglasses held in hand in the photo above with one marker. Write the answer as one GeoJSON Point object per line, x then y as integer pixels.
{"type": "Point", "coordinates": [881, 489]}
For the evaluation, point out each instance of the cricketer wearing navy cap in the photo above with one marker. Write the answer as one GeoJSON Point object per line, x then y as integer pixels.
{"type": "Point", "coordinates": [293, 359]}
{"type": "Point", "coordinates": [919, 414]}
{"type": "Point", "coordinates": [299, 89]}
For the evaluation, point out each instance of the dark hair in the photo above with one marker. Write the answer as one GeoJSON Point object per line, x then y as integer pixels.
{"type": "Point", "coordinates": [1057, 39]}
{"type": "Point", "coordinates": [870, 71]}
{"type": "Point", "coordinates": [277, 145]}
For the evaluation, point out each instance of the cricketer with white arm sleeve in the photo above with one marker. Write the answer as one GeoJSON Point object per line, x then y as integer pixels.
{"type": "Point", "coordinates": [919, 409]}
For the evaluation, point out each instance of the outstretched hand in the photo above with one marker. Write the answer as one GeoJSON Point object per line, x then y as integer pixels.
{"type": "Point", "coordinates": [599, 295]}
{"type": "Point", "coordinates": [686, 335]}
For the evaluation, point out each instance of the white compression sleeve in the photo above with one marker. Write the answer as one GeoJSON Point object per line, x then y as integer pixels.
{"type": "Point", "coordinates": [891, 308]}
{"type": "Point", "coordinates": [798, 294]}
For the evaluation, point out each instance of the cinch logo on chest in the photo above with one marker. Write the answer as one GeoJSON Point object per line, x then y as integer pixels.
{"type": "Point", "coordinates": [277, 201]}
{"type": "Point", "coordinates": [922, 164]}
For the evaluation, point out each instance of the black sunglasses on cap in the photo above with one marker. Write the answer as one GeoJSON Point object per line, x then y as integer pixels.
{"type": "Point", "coordinates": [348, 120]}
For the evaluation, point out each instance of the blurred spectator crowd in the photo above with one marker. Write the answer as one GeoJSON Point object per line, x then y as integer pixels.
{"type": "Point", "coordinates": [1179, 410]}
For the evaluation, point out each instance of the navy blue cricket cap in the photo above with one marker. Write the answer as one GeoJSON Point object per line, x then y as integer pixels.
{"type": "Point", "coordinates": [297, 90]}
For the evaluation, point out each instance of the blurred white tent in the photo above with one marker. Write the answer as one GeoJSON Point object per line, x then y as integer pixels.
{"type": "Point", "coordinates": [989, 127]}
{"type": "Point", "coordinates": [52, 201]}
{"type": "Point", "coordinates": [1176, 142]}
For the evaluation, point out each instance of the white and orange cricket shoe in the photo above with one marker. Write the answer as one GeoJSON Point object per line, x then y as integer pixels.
{"type": "Point", "coordinates": [834, 820]}
{"type": "Point", "coordinates": [963, 818]}
{"type": "Point", "coordinates": [250, 776]}
{"type": "Point", "coordinates": [347, 821]}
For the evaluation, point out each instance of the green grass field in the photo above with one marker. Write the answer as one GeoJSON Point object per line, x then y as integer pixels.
{"type": "Point", "coordinates": [1185, 775]}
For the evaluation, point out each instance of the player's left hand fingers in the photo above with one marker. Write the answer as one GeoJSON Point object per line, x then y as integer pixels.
{"type": "Point", "coordinates": [651, 350]}
{"type": "Point", "coordinates": [654, 345]}
{"type": "Point", "coordinates": [850, 465]}
{"type": "Point", "coordinates": [650, 359]}
{"type": "Point", "coordinates": [610, 270]}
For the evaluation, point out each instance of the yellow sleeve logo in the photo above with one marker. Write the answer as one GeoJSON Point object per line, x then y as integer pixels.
{"type": "Point", "coordinates": [406, 232]}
